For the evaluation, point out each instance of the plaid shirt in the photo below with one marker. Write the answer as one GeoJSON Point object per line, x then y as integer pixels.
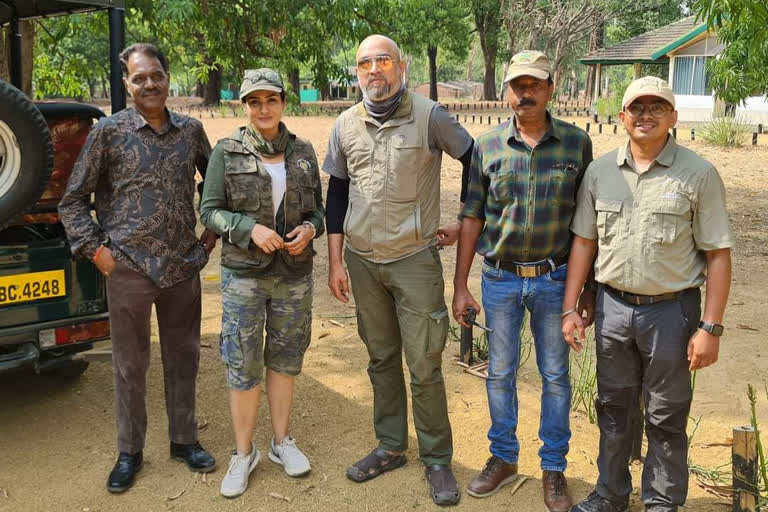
{"type": "Point", "coordinates": [526, 196]}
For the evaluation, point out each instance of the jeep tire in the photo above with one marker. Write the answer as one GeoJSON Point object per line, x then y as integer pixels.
{"type": "Point", "coordinates": [26, 153]}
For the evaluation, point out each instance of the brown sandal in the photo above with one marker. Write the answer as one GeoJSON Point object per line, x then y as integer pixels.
{"type": "Point", "coordinates": [374, 464]}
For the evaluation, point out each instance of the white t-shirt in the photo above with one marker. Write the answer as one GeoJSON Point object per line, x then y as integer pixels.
{"type": "Point", "coordinates": [277, 172]}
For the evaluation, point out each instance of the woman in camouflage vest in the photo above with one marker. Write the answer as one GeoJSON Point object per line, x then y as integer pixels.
{"type": "Point", "coordinates": [262, 195]}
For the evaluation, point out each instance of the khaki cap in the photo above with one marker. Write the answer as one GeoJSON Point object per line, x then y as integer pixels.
{"type": "Point", "coordinates": [529, 63]}
{"type": "Point", "coordinates": [648, 86]}
{"type": "Point", "coordinates": [262, 79]}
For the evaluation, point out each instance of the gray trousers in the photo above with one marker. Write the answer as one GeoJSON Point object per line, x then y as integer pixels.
{"type": "Point", "coordinates": [131, 296]}
{"type": "Point", "coordinates": [644, 348]}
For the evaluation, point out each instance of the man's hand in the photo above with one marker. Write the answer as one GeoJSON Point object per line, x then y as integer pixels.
{"type": "Point", "coordinates": [448, 234]}
{"type": "Point", "coordinates": [301, 236]}
{"type": "Point", "coordinates": [338, 282]}
{"type": "Point", "coordinates": [104, 260]}
{"type": "Point", "coordinates": [703, 349]}
{"type": "Point", "coordinates": [570, 322]}
{"type": "Point", "coordinates": [266, 239]}
{"type": "Point", "coordinates": [462, 300]}
{"type": "Point", "coordinates": [586, 307]}
{"type": "Point", "coordinates": [208, 240]}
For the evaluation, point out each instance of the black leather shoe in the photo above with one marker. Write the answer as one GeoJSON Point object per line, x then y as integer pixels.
{"type": "Point", "coordinates": [195, 456]}
{"type": "Point", "coordinates": [122, 476]}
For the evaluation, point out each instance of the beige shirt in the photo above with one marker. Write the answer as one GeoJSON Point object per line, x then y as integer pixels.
{"type": "Point", "coordinates": [652, 226]}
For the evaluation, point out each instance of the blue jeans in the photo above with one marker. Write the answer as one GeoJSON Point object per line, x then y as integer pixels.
{"type": "Point", "coordinates": [505, 299]}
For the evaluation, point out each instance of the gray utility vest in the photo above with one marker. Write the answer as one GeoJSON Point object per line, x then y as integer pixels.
{"type": "Point", "coordinates": [249, 191]}
{"type": "Point", "coordinates": [394, 188]}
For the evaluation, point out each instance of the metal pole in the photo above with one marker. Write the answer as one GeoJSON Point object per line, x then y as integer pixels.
{"type": "Point", "coordinates": [14, 40]}
{"type": "Point", "coordinates": [116, 45]}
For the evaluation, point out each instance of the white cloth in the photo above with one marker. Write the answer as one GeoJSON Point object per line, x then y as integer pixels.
{"type": "Point", "coordinates": [277, 172]}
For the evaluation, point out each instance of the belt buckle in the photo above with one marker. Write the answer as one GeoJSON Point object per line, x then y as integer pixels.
{"type": "Point", "coordinates": [638, 300]}
{"type": "Point", "coordinates": [527, 271]}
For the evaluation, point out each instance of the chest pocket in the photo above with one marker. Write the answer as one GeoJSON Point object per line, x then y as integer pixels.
{"type": "Point", "coordinates": [405, 159]}
{"type": "Point", "coordinates": [307, 181]}
{"type": "Point", "coordinates": [242, 182]}
{"type": "Point", "coordinates": [671, 218]}
{"type": "Point", "coordinates": [562, 183]}
{"type": "Point", "coordinates": [608, 219]}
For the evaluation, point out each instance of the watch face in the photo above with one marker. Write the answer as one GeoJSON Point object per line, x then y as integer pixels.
{"type": "Point", "coordinates": [717, 330]}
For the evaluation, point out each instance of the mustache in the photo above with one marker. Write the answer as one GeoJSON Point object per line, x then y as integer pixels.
{"type": "Point", "coordinates": [527, 102]}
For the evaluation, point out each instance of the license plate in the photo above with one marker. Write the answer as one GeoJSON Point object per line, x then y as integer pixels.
{"type": "Point", "coordinates": [32, 286]}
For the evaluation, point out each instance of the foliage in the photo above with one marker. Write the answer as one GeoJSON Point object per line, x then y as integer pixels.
{"type": "Point", "coordinates": [741, 70]}
{"type": "Point", "coordinates": [725, 131]}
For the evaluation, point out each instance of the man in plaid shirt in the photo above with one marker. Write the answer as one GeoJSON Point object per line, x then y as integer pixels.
{"type": "Point", "coordinates": [519, 205]}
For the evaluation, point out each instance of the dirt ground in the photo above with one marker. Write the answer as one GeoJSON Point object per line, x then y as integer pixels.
{"type": "Point", "coordinates": [57, 439]}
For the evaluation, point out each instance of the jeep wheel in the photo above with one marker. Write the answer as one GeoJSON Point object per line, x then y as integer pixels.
{"type": "Point", "coordinates": [26, 153]}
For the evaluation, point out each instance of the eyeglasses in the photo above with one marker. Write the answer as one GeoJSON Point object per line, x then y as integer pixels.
{"type": "Point", "coordinates": [383, 63]}
{"type": "Point", "coordinates": [656, 110]}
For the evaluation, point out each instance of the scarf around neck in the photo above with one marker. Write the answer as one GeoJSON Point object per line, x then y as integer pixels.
{"type": "Point", "coordinates": [269, 147]}
{"type": "Point", "coordinates": [382, 110]}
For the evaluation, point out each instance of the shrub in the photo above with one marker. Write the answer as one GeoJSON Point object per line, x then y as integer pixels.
{"type": "Point", "coordinates": [609, 106]}
{"type": "Point", "coordinates": [727, 131]}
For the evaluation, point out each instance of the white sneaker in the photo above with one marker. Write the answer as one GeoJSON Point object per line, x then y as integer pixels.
{"type": "Point", "coordinates": [286, 453]}
{"type": "Point", "coordinates": [235, 482]}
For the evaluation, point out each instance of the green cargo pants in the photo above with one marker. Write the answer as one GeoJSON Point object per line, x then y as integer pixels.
{"type": "Point", "coordinates": [401, 308]}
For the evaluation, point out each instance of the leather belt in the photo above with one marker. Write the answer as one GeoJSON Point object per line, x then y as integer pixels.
{"type": "Point", "coordinates": [534, 269]}
{"type": "Point", "coordinates": [643, 300]}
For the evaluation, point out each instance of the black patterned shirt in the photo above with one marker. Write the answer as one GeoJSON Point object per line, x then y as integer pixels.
{"type": "Point", "coordinates": [144, 186]}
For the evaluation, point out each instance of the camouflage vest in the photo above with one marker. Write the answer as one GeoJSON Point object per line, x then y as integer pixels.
{"type": "Point", "coordinates": [249, 191]}
{"type": "Point", "coordinates": [394, 188]}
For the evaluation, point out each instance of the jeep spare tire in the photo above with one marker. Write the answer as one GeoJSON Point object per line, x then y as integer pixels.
{"type": "Point", "coordinates": [26, 153]}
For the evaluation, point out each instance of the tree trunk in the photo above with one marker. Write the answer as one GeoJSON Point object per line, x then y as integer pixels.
{"type": "Point", "coordinates": [293, 79]}
{"type": "Point", "coordinates": [432, 54]}
{"type": "Point", "coordinates": [212, 90]}
{"type": "Point", "coordinates": [199, 89]}
{"type": "Point", "coordinates": [487, 25]}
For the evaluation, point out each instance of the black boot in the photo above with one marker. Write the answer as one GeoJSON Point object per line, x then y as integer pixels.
{"type": "Point", "coordinates": [195, 456]}
{"type": "Point", "coordinates": [122, 476]}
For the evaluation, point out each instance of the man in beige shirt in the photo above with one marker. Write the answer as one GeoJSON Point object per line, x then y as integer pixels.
{"type": "Point", "coordinates": [655, 214]}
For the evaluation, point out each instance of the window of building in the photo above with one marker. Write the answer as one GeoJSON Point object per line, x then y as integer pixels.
{"type": "Point", "coordinates": [690, 76]}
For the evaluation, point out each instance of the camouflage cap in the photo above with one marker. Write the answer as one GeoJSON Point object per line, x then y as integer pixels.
{"type": "Point", "coordinates": [648, 86]}
{"type": "Point", "coordinates": [529, 63]}
{"type": "Point", "coordinates": [262, 79]}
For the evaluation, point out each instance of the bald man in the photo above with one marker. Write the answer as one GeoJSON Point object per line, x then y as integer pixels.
{"type": "Point", "coordinates": [384, 157]}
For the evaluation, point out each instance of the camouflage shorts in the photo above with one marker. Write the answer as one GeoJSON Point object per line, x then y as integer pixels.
{"type": "Point", "coordinates": [249, 304]}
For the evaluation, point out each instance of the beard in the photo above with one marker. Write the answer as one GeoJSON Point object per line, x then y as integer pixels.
{"type": "Point", "coordinates": [381, 90]}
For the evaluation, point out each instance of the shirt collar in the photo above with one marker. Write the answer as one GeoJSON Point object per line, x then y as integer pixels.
{"type": "Point", "coordinates": [552, 130]}
{"type": "Point", "coordinates": [174, 120]}
{"type": "Point", "coordinates": [665, 158]}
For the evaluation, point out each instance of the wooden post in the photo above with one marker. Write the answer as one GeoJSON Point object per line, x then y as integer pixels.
{"type": "Point", "coordinates": [744, 460]}
{"type": "Point", "coordinates": [754, 138]}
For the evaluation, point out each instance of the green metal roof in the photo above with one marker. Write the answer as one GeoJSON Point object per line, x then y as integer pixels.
{"type": "Point", "coordinates": [680, 42]}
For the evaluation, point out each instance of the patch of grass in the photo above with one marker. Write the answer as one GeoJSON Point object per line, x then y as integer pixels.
{"type": "Point", "coordinates": [727, 131]}
{"type": "Point", "coordinates": [609, 106]}
{"type": "Point", "coordinates": [583, 371]}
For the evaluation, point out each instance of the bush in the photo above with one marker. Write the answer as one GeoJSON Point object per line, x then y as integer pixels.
{"type": "Point", "coordinates": [609, 106]}
{"type": "Point", "coordinates": [727, 131]}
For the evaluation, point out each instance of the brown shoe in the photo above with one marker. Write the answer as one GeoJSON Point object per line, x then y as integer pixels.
{"type": "Point", "coordinates": [495, 474]}
{"type": "Point", "coordinates": [555, 491]}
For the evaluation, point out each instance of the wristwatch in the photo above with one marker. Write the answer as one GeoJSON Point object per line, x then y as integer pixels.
{"type": "Point", "coordinates": [713, 329]}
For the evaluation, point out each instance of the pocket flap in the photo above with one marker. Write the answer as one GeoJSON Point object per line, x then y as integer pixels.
{"type": "Point", "coordinates": [608, 205]}
{"type": "Point", "coordinates": [672, 206]}
{"type": "Point", "coordinates": [402, 142]}
{"type": "Point", "coordinates": [438, 315]}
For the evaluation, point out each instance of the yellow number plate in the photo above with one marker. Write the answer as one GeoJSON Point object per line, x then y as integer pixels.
{"type": "Point", "coordinates": [34, 286]}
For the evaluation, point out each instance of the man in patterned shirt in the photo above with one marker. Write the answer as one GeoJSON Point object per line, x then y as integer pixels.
{"type": "Point", "coordinates": [520, 201]}
{"type": "Point", "coordinates": [140, 164]}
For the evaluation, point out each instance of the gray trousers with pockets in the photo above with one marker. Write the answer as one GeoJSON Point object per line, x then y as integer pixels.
{"type": "Point", "coordinates": [644, 349]}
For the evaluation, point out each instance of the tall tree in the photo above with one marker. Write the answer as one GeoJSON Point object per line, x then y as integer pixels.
{"type": "Point", "coordinates": [741, 70]}
{"type": "Point", "coordinates": [488, 23]}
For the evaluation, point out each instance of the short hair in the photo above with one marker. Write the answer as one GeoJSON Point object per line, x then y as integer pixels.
{"type": "Point", "coordinates": [146, 49]}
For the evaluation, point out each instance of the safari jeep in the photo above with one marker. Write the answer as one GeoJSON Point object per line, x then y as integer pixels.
{"type": "Point", "coordinates": [52, 304]}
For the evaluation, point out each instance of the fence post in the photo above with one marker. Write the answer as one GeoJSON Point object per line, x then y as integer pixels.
{"type": "Point", "coordinates": [594, 118]}
{"type": "Point", "coordinates": [693, 134]}
{"type": "Point", "coordinates": [457, 118]}
{"type": "Point", "coordinates": [674, 132]}
{"type": "Point", "coordinates": [473, 118]}
{"type": "Point", "coordinates": [489, 120]}
{"type": "Point", "coordinates": [615, 129]}
{"type": "Point", "coordinates": [754, 138]}
{"type": "Point", "coordinates": [498, 120]}
{"type": "Point", "coordinates": [744, 461]}
{"type": "Point", "coordinates": [759, 128]}
{"type": "Point", "coordinates": [600, 128]}
{"type": "Point", "coordinates": [609, 119]}
{"type": "Point", "coordinates": [587, 127]}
